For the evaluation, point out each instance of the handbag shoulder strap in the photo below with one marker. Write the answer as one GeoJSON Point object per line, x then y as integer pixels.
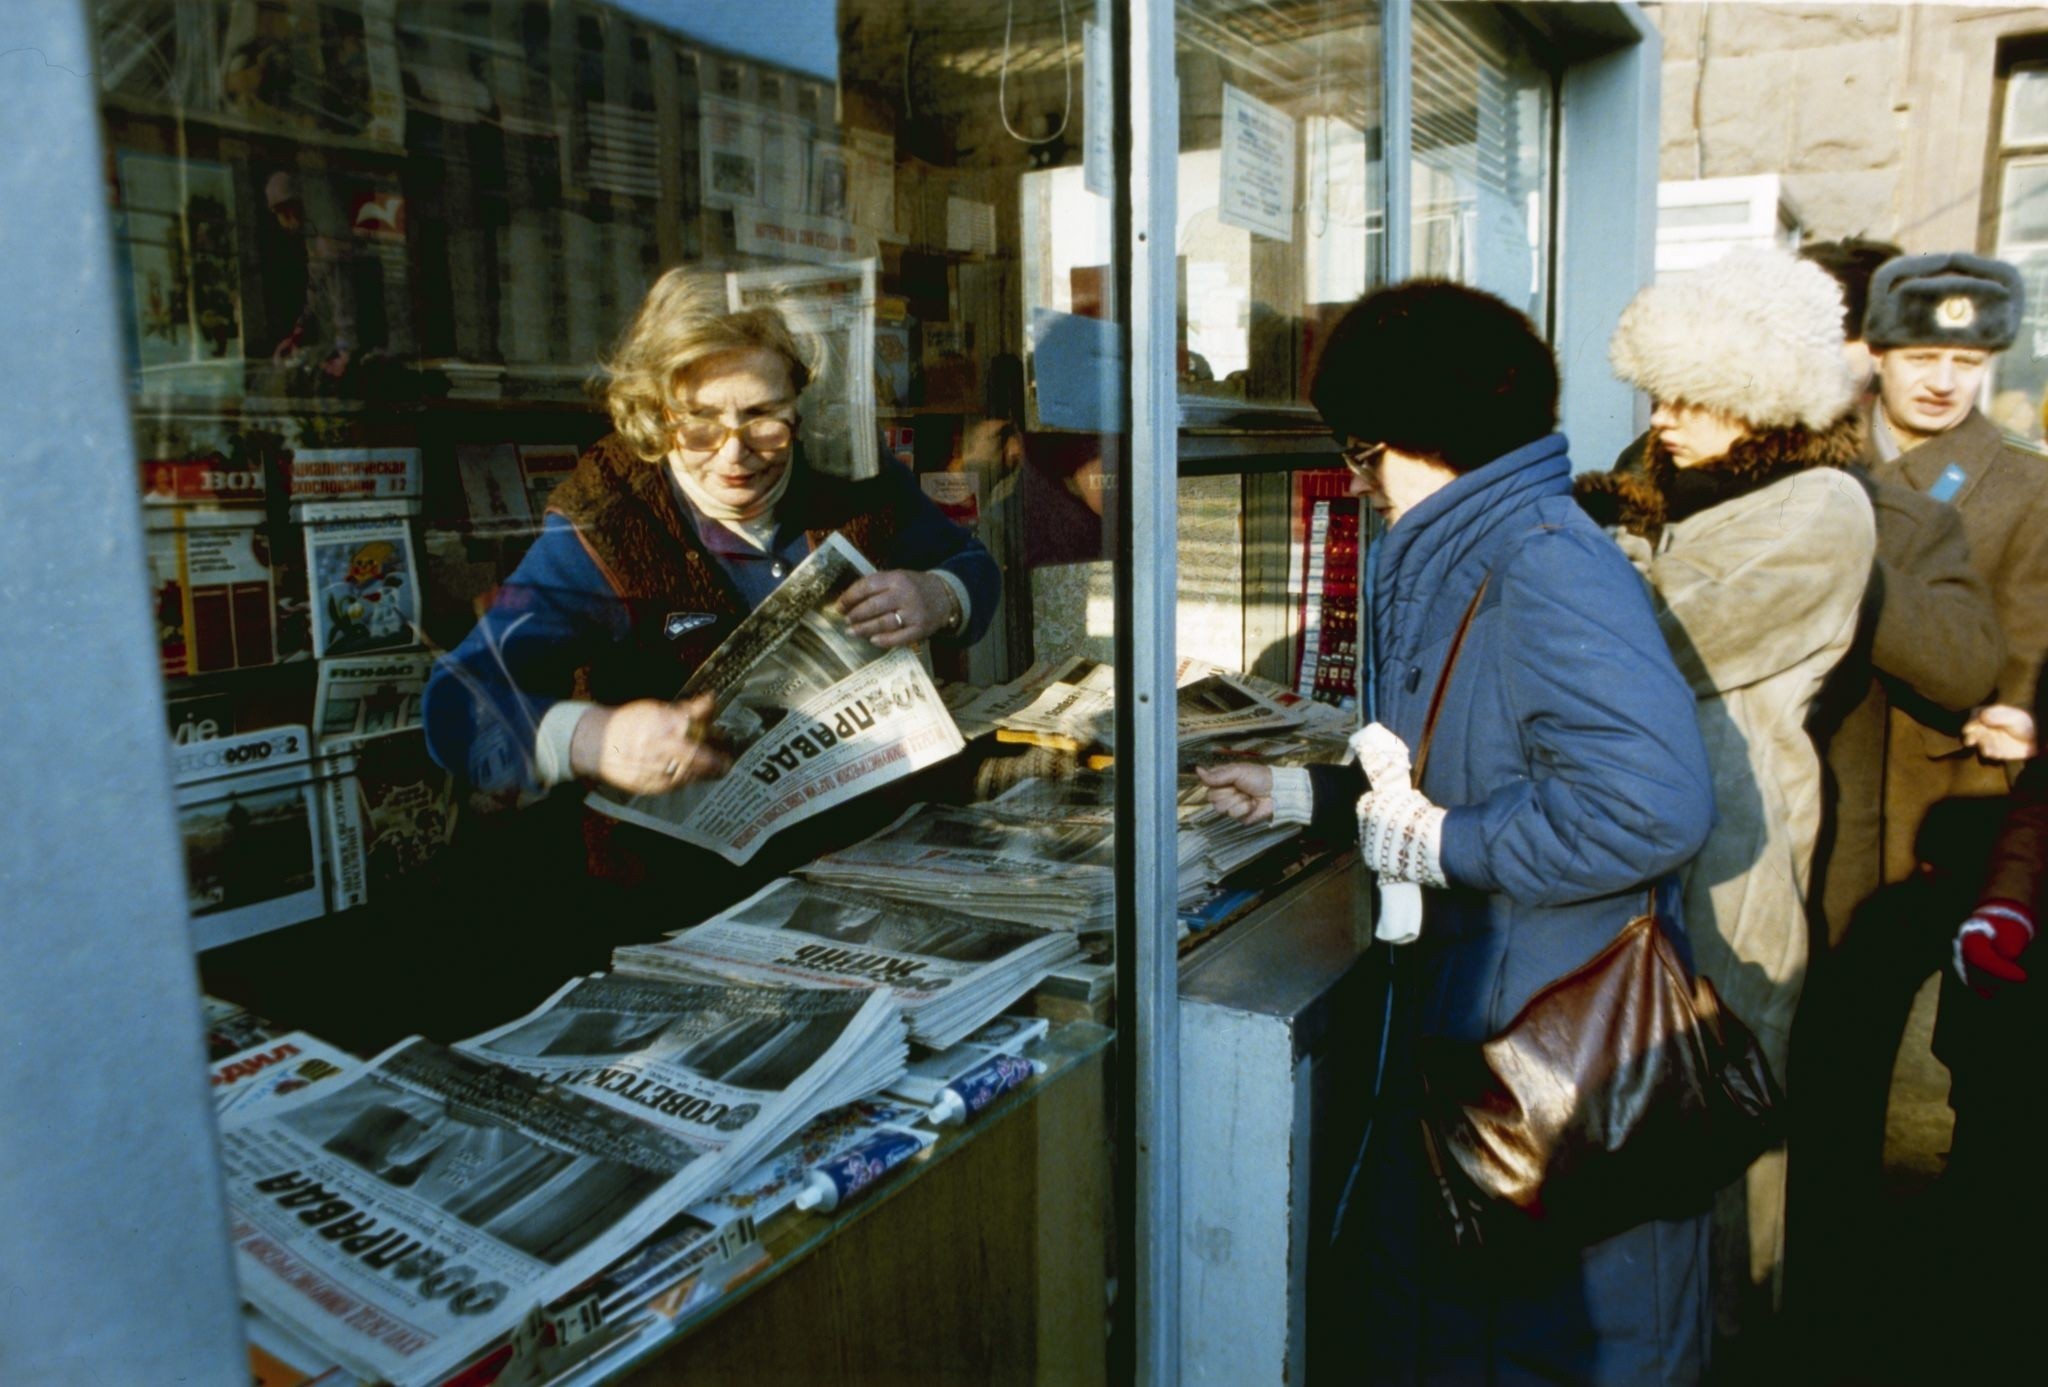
{"type": "Point", "coordinates": [1443, 681]}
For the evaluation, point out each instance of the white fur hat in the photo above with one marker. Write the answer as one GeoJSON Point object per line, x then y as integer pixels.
{"type": "Point", "coordinates": [1756, 335]}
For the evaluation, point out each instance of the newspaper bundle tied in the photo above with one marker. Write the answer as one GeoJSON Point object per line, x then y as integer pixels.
{"type": "Point", "coordinates": [812, 714]}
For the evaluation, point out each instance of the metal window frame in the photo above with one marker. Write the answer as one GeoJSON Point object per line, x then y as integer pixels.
{"type": "Point", "coordinates": [1146, 1342]}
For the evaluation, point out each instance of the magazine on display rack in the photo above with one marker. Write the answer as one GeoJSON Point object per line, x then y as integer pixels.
{"type": "Point", "coordinates": [812, 715]}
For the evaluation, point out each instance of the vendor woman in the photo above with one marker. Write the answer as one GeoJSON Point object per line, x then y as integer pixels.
{"type": "Point", "coordinates": [672, 528]}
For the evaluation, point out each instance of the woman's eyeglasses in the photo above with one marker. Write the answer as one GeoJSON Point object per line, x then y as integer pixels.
{"type": "Point", "coordinates": [1363, 458]}
{"type": "Point", "coordinates": [702, 434]}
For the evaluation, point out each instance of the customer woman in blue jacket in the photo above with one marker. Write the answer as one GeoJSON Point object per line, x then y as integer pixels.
{"type": "Point", "coordinates": [1566, 780]}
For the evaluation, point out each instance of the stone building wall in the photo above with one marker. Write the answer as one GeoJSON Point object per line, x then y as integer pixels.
{"type": "Point", "coordinates": [1878, 117]}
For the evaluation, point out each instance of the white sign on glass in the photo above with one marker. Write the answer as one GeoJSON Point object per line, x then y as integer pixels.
{"type": "Point", "coordinates": [1258, 166]}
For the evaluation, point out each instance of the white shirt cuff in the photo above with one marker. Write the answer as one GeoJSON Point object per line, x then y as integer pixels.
{"type": "Point", "coordinates": [551, 742]}
{"type": "Point", "coordinates": [1293, 796]}
{"type": "Point", "coordinates": [960, 596]}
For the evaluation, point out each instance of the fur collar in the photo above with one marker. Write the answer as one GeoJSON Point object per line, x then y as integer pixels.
{"type": "Point", "coordinates": [1656, 493]}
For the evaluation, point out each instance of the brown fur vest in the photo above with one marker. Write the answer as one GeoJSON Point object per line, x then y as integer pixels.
{"type": "Point", "coordinates": [1655, 493]}
{"type": "Point", "coordinates": [641, 538]}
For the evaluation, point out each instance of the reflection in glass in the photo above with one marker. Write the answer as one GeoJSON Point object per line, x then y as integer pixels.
{"type": "Point", "coordinates": [1481, 138]}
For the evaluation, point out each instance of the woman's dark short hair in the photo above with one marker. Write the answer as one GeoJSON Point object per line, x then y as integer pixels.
{"type": "Point", "coordinates": [1439, 370]}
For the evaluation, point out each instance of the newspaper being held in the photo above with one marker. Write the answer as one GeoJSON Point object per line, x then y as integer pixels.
{"type": "Point", "coordinates": [949, 971]}
{"type": "Point", "coordinates": [813, 715]}
{"type": "Point", "coordinates": [410, 1214]}
{"type": "Point", "coordinates": [1320, 734]}
{"type": "Point", "coordinates": [979, 860]}
{"type": "Point", "coordinates": [1077, 707]}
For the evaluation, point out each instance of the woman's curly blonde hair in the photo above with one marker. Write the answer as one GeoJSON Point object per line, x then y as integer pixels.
{"type": "Point", "coordinates": [684, 319]}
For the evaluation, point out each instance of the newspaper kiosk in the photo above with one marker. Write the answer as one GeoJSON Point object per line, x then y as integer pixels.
{"type": "Point", "coordinates": [352, 265]}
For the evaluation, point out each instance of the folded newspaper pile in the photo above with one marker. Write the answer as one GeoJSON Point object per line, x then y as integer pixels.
{"type": "Point", "coordinates": [981, 861]}
{"type": "Point", "coordinates": [1074, 707]}
{"type": "Point", "coordinates": [1040, 854]}
{"type": "Point", "coordinates": [951, 972]}
{"type": "Point", "coordinates": [410, 1214]}
{"type": "Point", "coordinates": [1209, 843]}
{"type": "Point", "coordinates": [812, 714]}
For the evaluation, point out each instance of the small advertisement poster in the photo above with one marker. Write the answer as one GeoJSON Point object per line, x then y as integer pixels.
{"type": "Point", "coordinates": [493, 486]}
{"type": "Point", "coordinates": [731, 134]}
{"type": "Point", "coordinates": [371, 696]}
{"type": "Point", "coordinates": [215, 601]}
{"type": "Point", "coordinates": [1258, 166]}
{"type": "Point", "coordinates": [956, 496]}
{"type": "Point", "coordinates": [179, 242]}
{"type": "Point", "coordinates": [364, 586]}
{"type": "Point", "coordinates": [330, 483]}
{"type": "Point", "coordinates": [545, 467]}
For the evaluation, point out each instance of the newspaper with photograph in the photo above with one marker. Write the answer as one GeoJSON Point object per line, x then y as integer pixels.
{"type": "Point", "coordinates": [728, 1068]}
{"type": "Point", "coordinates": [410, 1214]}
{"type": "Point", "coordinates": [949, 971]}
{"type": "Point", "coordinates": [1076, 708]}
{"type": "Point", "coordinates": [978, 711]}
{"type": "Point", "coordinates": [978, 859]}
{"type": "Point", "coordinates": [812, 715]}
{"type": "Point", "coordinates": [1209, 844]}
{"type": "Point", "coordinates": [273, 1069]}
{"type": "Point", "coordinates": [407, 1215]}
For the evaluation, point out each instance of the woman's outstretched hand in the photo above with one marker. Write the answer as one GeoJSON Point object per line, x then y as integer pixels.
{"type": "Point", "coordinates": [1240, 789]}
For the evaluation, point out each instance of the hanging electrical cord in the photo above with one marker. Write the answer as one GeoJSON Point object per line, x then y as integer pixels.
{"type": "Point", "coordinates": [1003, 78]}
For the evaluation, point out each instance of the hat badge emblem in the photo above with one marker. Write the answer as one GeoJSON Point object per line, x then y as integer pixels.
{"type": "Point", "coordinates": [1956, 311]}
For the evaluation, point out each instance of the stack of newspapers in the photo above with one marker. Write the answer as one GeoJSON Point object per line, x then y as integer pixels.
{"type": "Point", "coordinates": [949, 971]}
{"type": "Point", "coordinates": [982, 861]}
{"type": "Point", "coordinates": [1209, 844]}
{"type": "Point", "coordinates": [409, 1214]}
{"type": "Point", "coordinates": [1041, 854]}
{"type": "Point", "coordinates": [1073, 706]}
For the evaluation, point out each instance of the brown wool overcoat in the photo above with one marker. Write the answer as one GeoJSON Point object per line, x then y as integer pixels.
{"type": "Point", "coordinates": [2003, 505]}
{"type": "Point", "coordinates": [1928, 650]}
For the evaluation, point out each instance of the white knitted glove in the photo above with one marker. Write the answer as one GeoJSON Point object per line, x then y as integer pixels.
{"type": "Point", "coordinates": [1399, 831]}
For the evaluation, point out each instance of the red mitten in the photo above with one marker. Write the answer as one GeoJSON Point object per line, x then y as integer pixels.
{"type": "Point", "coordinates": [1989, 945]}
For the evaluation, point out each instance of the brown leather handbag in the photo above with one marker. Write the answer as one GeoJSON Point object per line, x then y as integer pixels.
{"type": "Point", "coordinates": [1623, 1091]}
